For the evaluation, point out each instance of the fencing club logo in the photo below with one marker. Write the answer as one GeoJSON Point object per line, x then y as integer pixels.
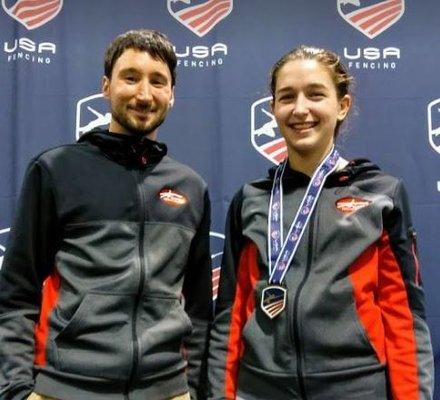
{"type": "Point", "coordinates": [349, 205]}
{"type": "Point", "coordinates": [91, 112]}
{"type": "Point", "coordinates": [3, 238]}
{"type": "Point", "coordinates": [434, 124]}
{"type": "Point", "coordinates": [199, 16]}
{"type": "Point", "coordinates": [265, 136]}
{"type": "Point", "coordinates": [216, 243]}
{"type": "Point", "coordinates": [32, 14]}
{"type": "Point", "coordinates": [372, 17]}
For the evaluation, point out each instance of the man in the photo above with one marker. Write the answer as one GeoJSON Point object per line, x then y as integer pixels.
{"type": "Point", "coordinates": [111, 239]}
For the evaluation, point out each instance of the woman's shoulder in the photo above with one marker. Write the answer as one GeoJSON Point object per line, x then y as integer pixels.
{"type": "Point", "coordinates": [368, 176]}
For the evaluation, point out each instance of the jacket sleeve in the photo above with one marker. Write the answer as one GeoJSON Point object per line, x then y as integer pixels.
{"type": "Point", "coordinates": [230, 314]}
{"type": "Point", "coordinates": [401, 298]}
{"type": "Point", "coordinates": [197, 292]}
{"type": "Point", "coordinates": [27, 262]}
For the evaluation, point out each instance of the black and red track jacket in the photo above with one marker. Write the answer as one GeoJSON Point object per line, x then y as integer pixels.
{"type": "Point", "coordinates": [354, 325]}
{"type": "Point", "coordinates": [109, 233]}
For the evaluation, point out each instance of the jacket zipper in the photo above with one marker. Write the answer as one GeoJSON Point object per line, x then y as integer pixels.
{"type": "Point", "coordinates": [413, 235]}
{"type": "Point", "coordinates": [296, 338]}
{"type": "Point", "coordinates": [142, 264]}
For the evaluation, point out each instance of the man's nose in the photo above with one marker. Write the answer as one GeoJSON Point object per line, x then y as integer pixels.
{"type": "Point", "coordinates": [144, 92]}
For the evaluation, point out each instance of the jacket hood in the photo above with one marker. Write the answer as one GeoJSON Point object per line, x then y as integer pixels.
{"type": "Point", "coordinates": [126, 149]}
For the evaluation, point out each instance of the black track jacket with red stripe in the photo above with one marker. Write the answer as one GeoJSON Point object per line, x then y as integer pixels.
{"type": "Point", "coordinates": [354, 324]}
{"type": "Point", "coordinates": [109, 233]}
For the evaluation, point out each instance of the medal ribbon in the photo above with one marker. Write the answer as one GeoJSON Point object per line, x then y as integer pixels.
{"type": "Point", "coordinates": [282, 252]}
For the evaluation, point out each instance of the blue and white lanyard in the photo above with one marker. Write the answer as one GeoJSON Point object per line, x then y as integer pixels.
{"type": "Point", "coordinates": [282, 252]}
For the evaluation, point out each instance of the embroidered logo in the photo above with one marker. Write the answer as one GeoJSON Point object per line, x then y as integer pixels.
{"type": "Point", "coordinates": [33, 14]}
{"type": "Point", "coordinates": [172, 198]}
{"type": "Point", "coordinates": [349, 205]}
{"type": "Point", "coordinates": [371, 17]}
{"type": "Point", "coordinates": [200, 17]}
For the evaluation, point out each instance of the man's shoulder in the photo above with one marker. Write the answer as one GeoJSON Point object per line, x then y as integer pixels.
{"type": "Point", "coordinates": [60, 154]}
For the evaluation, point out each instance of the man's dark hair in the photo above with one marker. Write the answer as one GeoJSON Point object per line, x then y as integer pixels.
{"type": "Point", "coordinates": [155, 43]}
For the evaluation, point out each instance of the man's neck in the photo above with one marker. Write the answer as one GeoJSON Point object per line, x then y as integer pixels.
{"type": "Point", "coordinates": [116, 130]}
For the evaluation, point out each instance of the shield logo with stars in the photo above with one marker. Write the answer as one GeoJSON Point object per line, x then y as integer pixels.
{"type": "Point", "coordinates": [32, 14]}
{"type": "Point", "coordinates": [199, 16]}
{"type": "Point", "coordinates": [371, 17]}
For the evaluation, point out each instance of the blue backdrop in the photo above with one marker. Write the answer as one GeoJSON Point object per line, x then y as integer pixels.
{"type": "Point", "coordinates": [51, 68]}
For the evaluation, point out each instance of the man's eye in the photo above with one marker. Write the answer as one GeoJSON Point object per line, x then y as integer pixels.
{"type": "Point", "coordinates": [158, 82]}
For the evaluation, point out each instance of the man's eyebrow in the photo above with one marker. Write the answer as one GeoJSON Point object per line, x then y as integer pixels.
{"type": "Point", "coordinates": [128, 70]}
{"type": "Point", "coordinates": [132, 70]}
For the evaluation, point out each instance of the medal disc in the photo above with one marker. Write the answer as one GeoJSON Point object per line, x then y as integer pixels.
{"type": "Point", "coordinates": [273, 300]}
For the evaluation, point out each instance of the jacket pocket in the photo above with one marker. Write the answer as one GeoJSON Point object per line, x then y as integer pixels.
{"type": "Point", "coordinates": [335, 339]}
{"type": "Point", "coordinates": [163, 324]}
{"type": "Point", "coordinates": [96, 340]}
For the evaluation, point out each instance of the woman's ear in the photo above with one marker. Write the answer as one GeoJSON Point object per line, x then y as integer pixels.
{"type": "Point", "coordinates": [344, 107]}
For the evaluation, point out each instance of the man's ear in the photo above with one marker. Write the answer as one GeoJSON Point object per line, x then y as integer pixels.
{"type": "Point", "coordinates": [105, 87]}
{"type": "Point", "coordinates": [171, 102]}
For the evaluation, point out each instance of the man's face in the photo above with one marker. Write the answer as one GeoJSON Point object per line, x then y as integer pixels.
{"type": "Point", "coordinates": [140, 93]}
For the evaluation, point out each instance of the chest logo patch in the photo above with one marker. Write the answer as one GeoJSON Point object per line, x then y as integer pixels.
{"type": "Point", "coordinates": [172, 198]}
{"type": "Point", "coordinates": [349, 205]}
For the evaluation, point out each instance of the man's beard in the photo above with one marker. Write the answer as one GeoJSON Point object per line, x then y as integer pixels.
{"type": "Point", "coordinates": [137, 129]}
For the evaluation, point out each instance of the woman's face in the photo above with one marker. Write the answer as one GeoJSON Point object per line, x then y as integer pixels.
{"type": "Point", "coordinates": [306, 107]}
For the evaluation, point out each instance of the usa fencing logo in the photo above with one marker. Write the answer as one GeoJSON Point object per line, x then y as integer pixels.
{"type": "Point", "coordinates": [91, 112]}
{"type": "Point", "coordinates": [3, 237]}
{"type": "Point", "coordinates": [32, 13]}
{"type": "Point", "coordinates": [199, 16]}
{"type": "Point", "coordinates": [216, 243]}
{"type": "Point", "coordinates": [265, 136]}
{"type": "Point", "coordinates": [372, 17]}
{"type": "Point", "coordinates": [434, 124]}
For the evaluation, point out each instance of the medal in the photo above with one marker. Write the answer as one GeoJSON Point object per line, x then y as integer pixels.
{"type": "Point", "coordinates": [281, 251]}
{"type": "Point", "coordinates": [273, 300]}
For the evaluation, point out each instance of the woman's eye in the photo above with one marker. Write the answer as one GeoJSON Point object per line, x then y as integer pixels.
{"type": "Point", "coordinates": [286, 98]}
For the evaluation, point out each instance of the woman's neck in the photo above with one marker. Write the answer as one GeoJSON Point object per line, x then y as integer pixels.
{"type": "Point", "coordinates": [307, 162]}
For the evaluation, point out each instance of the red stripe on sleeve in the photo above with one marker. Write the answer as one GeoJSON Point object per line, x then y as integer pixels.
{"type": "Point", "coordinates": [51, 287]}
{"type": "Point", "coordinates": [244, 304]}
{"type": "Point", "coordinates": [400, 341]}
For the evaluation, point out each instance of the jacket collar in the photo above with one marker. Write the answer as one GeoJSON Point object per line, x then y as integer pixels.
{"type": "Point", "coordinates": [126, 149]}
{"type": "Point", "coordinates": [344, 176]}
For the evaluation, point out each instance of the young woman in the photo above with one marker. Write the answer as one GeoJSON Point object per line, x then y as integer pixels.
{"type": "Point", "coordinates": [320, 295]}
